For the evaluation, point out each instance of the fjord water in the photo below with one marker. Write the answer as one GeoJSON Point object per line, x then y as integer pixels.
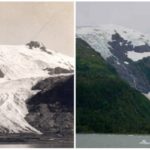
{"type": "Point", "coordinates": [112, 141]}
{"type": "Point", "coordinates": [51, 144]}
{"type": "Point", "coordinates": [61, 143]}
{"type": "Point", "coordinates": [36, 141]}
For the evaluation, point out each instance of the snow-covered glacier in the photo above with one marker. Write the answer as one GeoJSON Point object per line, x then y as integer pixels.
{"type": "Point", "coordinates": [21, 68]}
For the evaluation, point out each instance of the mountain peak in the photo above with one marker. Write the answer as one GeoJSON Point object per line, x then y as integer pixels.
{"type": "Point", "coordinates": [108, 26]}
{"type": "Point", "coordinates": [36, 44]}
{"type": "Point", "coordinates": [99, 37]}
{"type": "Point", "coordinates": [109, 29]}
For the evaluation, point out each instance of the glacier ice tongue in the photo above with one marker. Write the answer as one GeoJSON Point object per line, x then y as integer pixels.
{"type": "Point", "coordinates": [23, 68]}
{"type": "Point", "coordinates": [13, 109]}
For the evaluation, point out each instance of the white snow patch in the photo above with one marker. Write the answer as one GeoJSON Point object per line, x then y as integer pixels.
{"type": "Point", "coordinates": [135, 56]}
{"type": "Point", "coordinates": [125, 62]}
{"type": "Point", "coordinates": [97, 40]}
{"type": "Point", "coordinates": [134, 36]}
{"type": "Point", "coordinates": [147, 95]}
{"type": "Point", "coordinates": [20, 62]}
{"type": "Point", "coordinates": [120, 43]}
{"type": "Point", "coordinates": [118, 63]}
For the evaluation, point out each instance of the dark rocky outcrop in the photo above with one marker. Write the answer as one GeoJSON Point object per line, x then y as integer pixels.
{"type": "Point", "coordinates": [58, 70]}
{"type": "Point", "coordinates": [132, 72]}
{"type": "Point", "coordinates": [35, 44]}
{"type": "Point", "coordinates": [1, 74]}
{"type": "Point", "coordinates": [51, 110]}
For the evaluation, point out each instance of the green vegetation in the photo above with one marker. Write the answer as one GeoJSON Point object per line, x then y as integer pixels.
{"type": "Point", "coordinates": [106, 103]}
{"type": "Point", "coordinates": [144, 66]}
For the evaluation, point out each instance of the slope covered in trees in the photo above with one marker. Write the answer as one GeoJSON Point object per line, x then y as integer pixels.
{"type": "Point", "coordinates": [106, 103]}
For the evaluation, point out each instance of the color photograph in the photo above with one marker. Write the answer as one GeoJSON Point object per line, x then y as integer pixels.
{"type": "Point", "coordinates": [113, 74]}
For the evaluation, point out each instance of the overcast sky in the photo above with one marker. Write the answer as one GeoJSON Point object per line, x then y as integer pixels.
{"type": "Point", "coordinates": [135, 15]}
{"type": "Point", "coordinates": [49, 22]}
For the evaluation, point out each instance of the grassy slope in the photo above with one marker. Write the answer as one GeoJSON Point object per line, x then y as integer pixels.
{"type": "Point", "coordinates": [105, 103]}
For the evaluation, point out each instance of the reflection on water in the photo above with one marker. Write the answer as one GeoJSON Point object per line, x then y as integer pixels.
{"type": "Point", "coordinates": [112, 141]}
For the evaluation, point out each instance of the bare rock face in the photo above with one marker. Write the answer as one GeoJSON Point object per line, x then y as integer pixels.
{"type": "Point", "coordinates": [115, 43]}
{"type": "Point", "coordinates": [35, 44]}
{"type": "Point", "coordinates": [58, 70]}
{"type": "Point", "coordinates": [1, 74]}
{"type": "Point", "coordinates": [132, 71]}
{"type": "Point", "coordinates": [51, 110]}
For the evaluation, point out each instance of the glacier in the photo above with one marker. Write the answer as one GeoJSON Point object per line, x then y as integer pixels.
{"type": "Point", "coordinates": [22, 68]}
{"type": "Point", "coordinates": [99, 36]}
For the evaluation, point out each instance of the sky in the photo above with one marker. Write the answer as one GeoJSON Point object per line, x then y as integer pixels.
{"type": "Point", "coordinates": [134, 15]}
{"type": "Point", "coordinates": [48, 22]}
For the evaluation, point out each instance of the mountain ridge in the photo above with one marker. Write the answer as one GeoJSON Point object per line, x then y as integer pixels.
{"type": "Point", "coordinates": [125, 49]}
{"type": "Point", "coordinates": [105, 102]}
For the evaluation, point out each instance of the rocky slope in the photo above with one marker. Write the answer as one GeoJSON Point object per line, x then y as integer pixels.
{"type": "Point", "coordinates": [127, 50]}
{"type": "Point", "coordinates": [51, 110]}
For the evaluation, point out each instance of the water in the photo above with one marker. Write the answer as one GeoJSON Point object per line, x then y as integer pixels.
{"type": "Point", "coordinates": [35, 141]}
{"type": "Point", "coordinates": [112, 141]}
{"type": "Point", "coordinates": [35, 145]}
{"type": "Point", "coordinates": [31, 146]}
{"type": "Point", "coordinates": [51, 144]}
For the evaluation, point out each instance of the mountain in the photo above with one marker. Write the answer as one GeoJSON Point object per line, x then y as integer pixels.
{"type": "Point", "coordinates": [52, 108]}
{"type": "Point", "coordinates": [23, 67]}
{"type": "Point", "coordinates": [127, 50]}
{"type": "Point", "coordinates": [108, 101]}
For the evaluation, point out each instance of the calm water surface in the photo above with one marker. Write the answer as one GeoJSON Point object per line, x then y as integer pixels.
{"type": "Point", "coordinates": [50, 145]}
{"type": "Point", "coordinates": [112, 141]}
{"type": "Point", "coordinates": [35, 141]}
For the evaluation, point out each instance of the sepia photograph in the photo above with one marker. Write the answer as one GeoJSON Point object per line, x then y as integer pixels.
{"type": "Point", "coordinates": [36, 75]}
